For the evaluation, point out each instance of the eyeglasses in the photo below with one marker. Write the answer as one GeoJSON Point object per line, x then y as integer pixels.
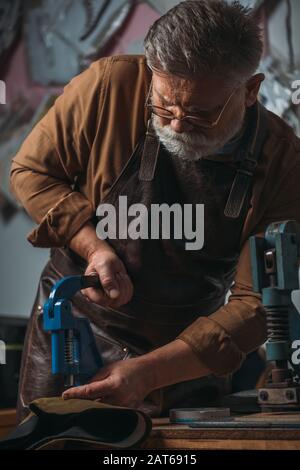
{"type": "Point", "coordinates": [192, 118]}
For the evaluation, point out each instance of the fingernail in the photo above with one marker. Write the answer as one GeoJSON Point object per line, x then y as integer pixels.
{"type": "Point", "coordinates": [113, 293]}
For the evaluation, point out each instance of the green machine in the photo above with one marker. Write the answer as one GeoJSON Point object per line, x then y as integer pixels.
{"type": "Point", "coordinates": [275, 272]}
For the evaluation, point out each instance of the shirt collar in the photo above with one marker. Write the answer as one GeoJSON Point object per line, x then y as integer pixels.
{"type": "Point", "coordinates": [229, 153]}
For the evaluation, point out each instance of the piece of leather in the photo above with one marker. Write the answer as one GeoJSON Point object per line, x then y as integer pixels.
{"type": "Point", "coordinates": [54, 423]}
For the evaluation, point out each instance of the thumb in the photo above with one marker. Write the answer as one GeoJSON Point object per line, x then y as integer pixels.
{"type": "Point", "coordinates": [109, 282]}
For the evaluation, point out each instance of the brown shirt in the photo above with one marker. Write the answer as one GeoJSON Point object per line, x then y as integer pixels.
{"type": "Point", "coordinates": [88, 136]}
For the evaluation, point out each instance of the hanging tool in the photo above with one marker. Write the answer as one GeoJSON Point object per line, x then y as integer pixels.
{"type": "Point", "coordinates": [74, 351]}
{"type": "Point", "coordinates": [275, 260]}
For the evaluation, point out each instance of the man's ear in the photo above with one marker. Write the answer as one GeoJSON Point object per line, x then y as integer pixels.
{"type": "Point", "coordinates": [252, 88]}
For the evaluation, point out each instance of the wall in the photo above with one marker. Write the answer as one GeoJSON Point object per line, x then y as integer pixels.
{"type": "Point", "coordinates": [20, 263]}
{"type": "Point", "coordinates": [277, 31]}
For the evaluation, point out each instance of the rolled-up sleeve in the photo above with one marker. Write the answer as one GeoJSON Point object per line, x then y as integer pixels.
{"type": "Point", "coordinates": [53, 155]}
{"type": "Point", "coordinates": [222, 340]}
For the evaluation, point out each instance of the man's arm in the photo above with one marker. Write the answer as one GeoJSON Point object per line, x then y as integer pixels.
{"type": "Point", "coordinates": [55, 153]}
{"type": "Point", "coordinates": [127, 383]}
{"type": "Point", "coordinates": [211, 345]}
{"type": "Point", "coordinates": [175, 362]}
{"type": "Point", "coordinates": [222, 340]}
{"type": "Point", "coordinates": [217, 343]}
{"type": "Point", "coordinates": [172, 363]}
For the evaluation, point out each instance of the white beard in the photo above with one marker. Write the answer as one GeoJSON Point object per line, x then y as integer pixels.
{"type": "Point", "coordinates": [192, 146]}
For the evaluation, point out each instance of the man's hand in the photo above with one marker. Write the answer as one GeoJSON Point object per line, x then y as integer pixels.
{"type": "Point", "coordinates": [128, 382]}
{"type": "Point", "coordinates": [117, 286]}
{"type": "Point", "coordinates": [102, 260]}
{"type": "Point", "coordinates": [122, 383]}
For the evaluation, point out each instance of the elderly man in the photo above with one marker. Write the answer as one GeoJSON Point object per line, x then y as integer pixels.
{"type": "Point", "coordinates": [181, 125]}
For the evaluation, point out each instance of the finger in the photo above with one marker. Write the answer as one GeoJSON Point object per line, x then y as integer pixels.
{"type": "Point", "coordinates": [109, 281]}
{"type": "Point", "coordinates": [130, 287]}
{"type": "Point", "coordinates": [89, 391]}
{"type": "Point", "coordinates": [119, 300]}
{"type": "Point", "coordinates": [96, 295]}
{"type": "Point", "coordinates": [127, 287]}
{"type": "Point", "coordinates": [125, 290]}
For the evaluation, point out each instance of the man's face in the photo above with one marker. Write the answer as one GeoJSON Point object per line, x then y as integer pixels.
{"type": "Point", "coordinates": [204, 97]}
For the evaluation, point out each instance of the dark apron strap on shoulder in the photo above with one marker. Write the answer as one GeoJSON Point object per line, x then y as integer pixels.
{"type": "Point", "coordinates": [249, 154]}
{"type": "Point", "coordinates": [150, 154]}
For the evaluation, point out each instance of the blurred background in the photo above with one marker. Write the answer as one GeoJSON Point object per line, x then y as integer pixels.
{"type": "Point", "coordinates": [43, 44]}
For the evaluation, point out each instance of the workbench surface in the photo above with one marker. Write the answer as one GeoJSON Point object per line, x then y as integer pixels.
{"type": "Point", "coordinates": [177, 436]}
{"type": "Point", "coordinates": [8, 421]}
{"type": "Point", "coordinates": [170, 436]}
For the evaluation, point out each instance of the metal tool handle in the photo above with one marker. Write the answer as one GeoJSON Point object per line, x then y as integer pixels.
{"type": "Point", "coordinates": [92, 280]}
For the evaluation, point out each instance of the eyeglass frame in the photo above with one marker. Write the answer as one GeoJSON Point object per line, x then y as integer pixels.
{"type": "Point", "coordinates": [172, 116]}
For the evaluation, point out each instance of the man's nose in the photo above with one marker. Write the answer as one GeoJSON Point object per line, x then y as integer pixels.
{"type": "Point", "coordinates": [180, 126]}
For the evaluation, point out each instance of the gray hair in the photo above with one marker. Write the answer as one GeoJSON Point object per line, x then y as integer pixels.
{"type": "Point", "coordinates": [199, 37]}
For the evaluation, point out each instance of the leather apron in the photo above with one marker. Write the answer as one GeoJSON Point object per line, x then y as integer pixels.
{"type": "Point", "coordinates": [172, 286]}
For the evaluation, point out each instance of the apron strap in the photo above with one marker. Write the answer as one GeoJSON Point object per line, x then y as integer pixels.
{"type": "Point", "coordinates": [150, 154]}
{"type": "Point", "coordinates": [248, 154]}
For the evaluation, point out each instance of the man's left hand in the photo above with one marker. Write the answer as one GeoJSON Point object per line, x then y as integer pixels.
{"type": "Point", "coordinates": [122, 383]}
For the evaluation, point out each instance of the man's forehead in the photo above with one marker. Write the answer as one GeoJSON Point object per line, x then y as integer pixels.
{"type": "Point", "coordinates": [202, 89]}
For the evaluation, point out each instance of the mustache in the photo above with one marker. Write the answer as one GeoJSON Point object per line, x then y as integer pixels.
{"type": "Point", "coordinates": [184, 145]}
{"type": "Point", "coordinates": [190, 139]}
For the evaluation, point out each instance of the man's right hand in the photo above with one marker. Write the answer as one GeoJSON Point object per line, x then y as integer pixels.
{"type": "Point", "coordinates": [117, 288]}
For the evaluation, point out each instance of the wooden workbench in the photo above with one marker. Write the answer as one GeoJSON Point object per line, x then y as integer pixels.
{"type": "Point", "coordinates": [7, 421]}
{"type": "Point", "coordinates": [170, 436]}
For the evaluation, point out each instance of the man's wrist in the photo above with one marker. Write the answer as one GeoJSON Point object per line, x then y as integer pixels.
{"type": "Point", "coordinates": [86, 243]}
{"type": "Point", "coordinates": [172, 363]}
{"type": "Point", "coordinates": [95, 247]}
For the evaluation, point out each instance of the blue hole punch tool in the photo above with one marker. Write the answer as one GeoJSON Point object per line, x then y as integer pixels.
{"type": "Point", "coordinates": [74, 350]}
